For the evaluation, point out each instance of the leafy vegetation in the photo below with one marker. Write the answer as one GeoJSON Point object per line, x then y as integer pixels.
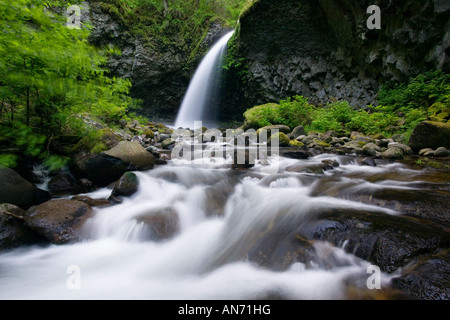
{"type": "Point", "coordinates": [402, 107]}
{"type": "Point", "coordinates": [50, 76]}
{"type": "Point", "coordinates": [180, 24]}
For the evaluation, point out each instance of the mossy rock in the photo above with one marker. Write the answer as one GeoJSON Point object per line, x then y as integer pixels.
{"type": "Point", "coordinates": [320, 143]}
{"type": "Point", "coordinates": [148, 132]}
{"type": "Point", "coordinates": [255, 116]}
{"type": "Point", "coordinates": [430, 134]}
{"type": "Point", "coordinates": [98, 141]}
{"type": "Point", "coordinates": [296, 143]}
{"type": "Point", "coordinates": [283, 140]}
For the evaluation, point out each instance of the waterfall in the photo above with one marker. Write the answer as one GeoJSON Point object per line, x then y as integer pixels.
{"type": "Point", "coordinates": [197, 103]}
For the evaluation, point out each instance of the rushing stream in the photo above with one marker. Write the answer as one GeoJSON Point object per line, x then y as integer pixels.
{"type": "Point", "coordinates": [220, 214]}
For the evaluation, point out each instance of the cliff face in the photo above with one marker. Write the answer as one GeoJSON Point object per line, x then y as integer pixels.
{"type": "Point", "coordinates": [159, 73]}
{"type": "Point", "coordinates": [323, 49]}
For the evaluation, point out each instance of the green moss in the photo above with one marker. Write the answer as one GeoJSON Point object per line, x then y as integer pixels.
{"type": "Point", "coordinates": [321, 143]}
{"type": "Point", "coordinates": [255, 118]}
{"type": "Point", "coordinates": [97, 141]}
{"type": "Point", "coordinates": [296, 143]}
{"type": "Point", "coordinates": [291, 112]}
{"type": "Point", "coordinates": [283, 140]}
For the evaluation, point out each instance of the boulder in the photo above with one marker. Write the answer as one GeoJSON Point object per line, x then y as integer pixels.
{"type": "Point", "coordinates": [104, 169]}
{"type": "Point", "coordinates": [134, 154]}
{"type": "Point", "coordinates": [429, 134]}
{"type": "Point", "coordinates": [279, 127]}
{"type": "Point", "coordinates": [441, 152]}
{"type": "Point", "coordinates": [294, 153]}
{"type": "Point", "coordinates": [283, 140]}
{"type": "Point", "coordinates": [17, 191]}
{"type": "Point", "coordinates": [59, 221]}
{"type": "Point", "coordinates": [298, 131]}
{"type": "Point", "coordinates": [427, 278]}
{"type": "Point", "coordinates": [406, 149]}
{"type": "Point", "coordinates": [126, 186]}
{"type": "Point", "coordinates": [389, 242]}
{"type": "Point", "coordinates": [61, 183]}
{"type": "Point", "coordinates": [84, 186]}
{"type": "Point", "coordinates": [13, 230]}
{"type": "Point", "coordinates": [92, 202]}
{"type": "Point", "coordinates": [371, 149]}
{"type": "Point", "coordinates": [393, 153]}
{"type": "Point", "coordinates": [167, 143]}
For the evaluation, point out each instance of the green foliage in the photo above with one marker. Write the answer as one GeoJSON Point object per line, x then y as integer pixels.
{"type": "Point", "coordinates": [291, 112]}
{"type": "Point", "coordinates": [403, 107]}
{"type": "Point", "coordinates": [55, 162]}
{"type": "Point", "coordinates": [50, 75]}
{"type": "Point", "coordinates": [179, 24]}
{"type": "Point", "coordinates": [421, 92]}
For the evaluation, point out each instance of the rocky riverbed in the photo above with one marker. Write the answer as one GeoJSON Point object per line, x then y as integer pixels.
{"type": "Point", "coordinates": [377, 199]}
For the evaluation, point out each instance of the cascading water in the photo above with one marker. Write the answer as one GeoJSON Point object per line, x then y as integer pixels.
{"type": "Point", "coordinates": [197, 102]}
{"type": "Point", "coordinates": [222, 216]}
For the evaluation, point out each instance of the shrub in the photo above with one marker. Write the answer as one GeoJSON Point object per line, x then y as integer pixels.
{"type": "Point", "coordinates": [291, 112]}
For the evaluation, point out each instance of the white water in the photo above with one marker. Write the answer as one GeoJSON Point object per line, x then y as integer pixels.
{"type": "Point", "coordinates": [196, 104]}
{"type": "Point", "coordinates": [206, 259]}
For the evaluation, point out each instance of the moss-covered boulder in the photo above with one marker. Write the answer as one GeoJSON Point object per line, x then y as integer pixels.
{"type": "Point", "coordinates": [282, 138]}
{"type": "Point", "coordinates": [255, 117]}
{"type": "Point", "coordinates": [429, 134]}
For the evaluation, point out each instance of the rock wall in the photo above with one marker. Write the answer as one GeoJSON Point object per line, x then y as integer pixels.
{"type": "Point", "coordinates": [160, 74]}
{"type": "Point", "coordinates": [324, 50]}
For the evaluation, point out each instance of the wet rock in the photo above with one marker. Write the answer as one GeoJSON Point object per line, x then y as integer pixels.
{"type": "Point", "coordinates": [63, 182]}
{"type": "Point", "coordinates": [164, 224]}
{"type": "Point", "coordinates": [59, 221]}
{"type": "Point", "coordinates": [387, 241]}
{"type": "Point", "coordinates": [283, 140]}
{"type": "Point", "coordinates": [13, 230]}
{"type": "Point", "coordinates": [306, 168]}
{"type": "Point", "coordinates": [426, 279]}
{"type": "Point", "coordinates": [126, 186]}
{"type": "Point", "coordinates": [17, 191]}
{"type": "Point", "coordinates": [429, 134]}
{"type": "Point", "coordinates": [104, 169]}
{"type": "Point", "coordinates": [84, 186]}
{"type": "Point", "coordinates": [294, 153]}
{"type": "Point", "coordinates": [134, 154]}
{"type": "Point", "coordinates": [368, 162]}
{"type": "Point", "coordinates": [92, 202]}
{"type": "Point", "coordinates": [441, 152]}
{"type": "Point", "coordinates": [329, 165]}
